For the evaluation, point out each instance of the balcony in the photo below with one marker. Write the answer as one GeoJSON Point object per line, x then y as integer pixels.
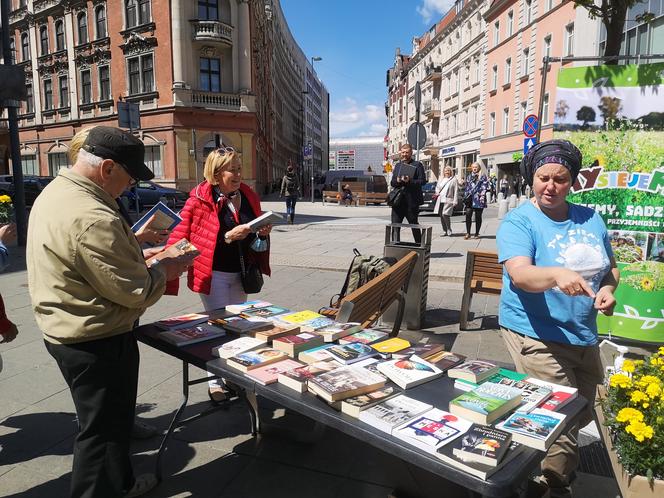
{"type": "Point", "coordinates": [39, 6]}
{"type": "Point", "coordinates": [212, 31]}
{"type": "Point", "coordinates": [431, 109]}
{"type": "Point", "coordinates": [432, 73]}
{"type": "Point", "coordinates": [223, 101]}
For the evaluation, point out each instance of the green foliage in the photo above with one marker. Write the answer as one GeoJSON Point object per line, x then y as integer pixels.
{"type": "Point", "coordinates": [517, 156]}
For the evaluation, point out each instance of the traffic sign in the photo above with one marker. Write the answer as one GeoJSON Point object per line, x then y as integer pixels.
{"type": "Point", "coordinates": [416, 138]}
{"type": "Point", "coordinates": [528, 143]}
{"type": "Point", "coordinates": [530, 125]}
{"type": "Point", "coordinates": [418, 95]}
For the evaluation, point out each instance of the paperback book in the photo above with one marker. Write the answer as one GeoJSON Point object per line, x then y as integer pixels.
{"type": "Point", "coordinates": [432, 429]}
{"type": "Point", "coordinates": [560, 395]}
{"type": "Point", "coordinates": [267, 218]}
{"type": "Point", "coordinates": [353, 406]}
{"type": "Point", "coordinates": [188, 320]}
{"type": "Point", "coordinates": [393, 412]}
{"type": "Point", "coordinates": [351, 353]}
{"type": "Point", "coordinates": [269, 374]}
{"type": "Point", "coordinates": [344, 382]}
{"type": "Point", "coordinates": [239, 325]}
{"type": "Point", "coordinates": [483, 471]}
{"type": "Point", "coordinates": [424, 351]}
{"type": "Point", "coordinates": [473, 370]}
{"type": "Point", "coordinates": [316, 354]}
{"type": "Point", "coordinates": [391, 345]}
{"type": "Point", "coordinates": [338, 330]}
{"type": "Point", "coordinates": [297, 378]}
{"type": "Point", "coordinates": [182, 251]}
{"type": "Point", "coordinates": [537, 429]}
{"type": "Point", "coordinates": [250, 360]}
{"type": "Point", "coordinates": [501, 377]}
{"type": "Point", "coordinates": [265, 313]}
{"type": "Point", "coordinates": [366, 336]}
{"type": "Point", "coordinates": [236, 346]}
{"type": "Point", "coordinates": [294, 344]}
{"type": "Point", "coordinates": [191, 335]}
{"type": "Point", "coordinates": [446, 359]}
{"type": "Point", "coordinates": [239, 308]}
{"type": "Point", "coordinates": [164, 218]}
{"type": "Point", "coordinates": [409, 372]}
{"type": "Point", "coordinates": [486, 403]}
{"type": "Point", "coordinates": [276, 331]}
{"type": "Point", "coordinates": [484, 444]}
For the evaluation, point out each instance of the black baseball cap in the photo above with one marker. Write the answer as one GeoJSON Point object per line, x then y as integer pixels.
{"type": "Point", "coordinates": [108, 142]}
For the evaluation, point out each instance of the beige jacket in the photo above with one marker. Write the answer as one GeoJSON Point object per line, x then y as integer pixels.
{"type": "Point", "coordinates": [87, 276]}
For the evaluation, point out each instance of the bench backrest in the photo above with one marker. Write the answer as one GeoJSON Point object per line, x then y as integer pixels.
{"type": "Point", "coordinates": [367, 303]}
{"type": "Point", "coordinates": [355, 187]}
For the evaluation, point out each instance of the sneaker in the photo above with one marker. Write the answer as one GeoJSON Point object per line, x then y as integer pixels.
{"type": "Point", "coordinates": [466, 237]}
{"type": "Point", "coordinates": [143, 484]}
{"type": "Point", "coordinates": [142, 430]}
{"type": "Point", "coordinates": [217, 395]}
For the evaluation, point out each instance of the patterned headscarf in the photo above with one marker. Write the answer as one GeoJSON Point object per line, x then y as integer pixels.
{"type": "Point", "coordinates": [561, 152]}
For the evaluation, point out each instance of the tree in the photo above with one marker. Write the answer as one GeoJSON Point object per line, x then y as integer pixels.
{"type": "Point", "coordinates": [587, 115]}
{"type": "Point", "coordinates": [609, 107]}
{"type": "Point", "coordinates": [562, 107]}
{"type": "Point", "coordinates": [613, 14]}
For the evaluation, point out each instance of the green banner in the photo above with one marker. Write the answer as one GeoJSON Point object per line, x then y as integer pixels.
{"type": "Point", "coordinates": [615, 115]}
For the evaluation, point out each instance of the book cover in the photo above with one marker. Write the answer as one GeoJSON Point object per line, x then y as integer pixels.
{"type": "Point", "coordinates": [532, 395]}
{"type": "Point", "coordinates": [267, 218]}
{"type": "Point", "coordinates": [191, 335]}
{"type": "Point", "coordinates": [560, 395]}
{"type": "Point", "coordinates": [486, 403]}
{"type": "Point", "coordinates": [409, 372]}
{"type": "Point", "coordinates": [344, 382]}
{"type": "Point", "coordinates": [276, 331]}
{"type": "Point", "coordinates": [502, 377]}
{"type": "Point", "coordinates": [298, 377]}
{"type": "Point", "coordinates": [391, 345]}
{"type": "Point", "coordinates": [484, 444]}
{"type": "Point", "coordinates": [365, 336]}
{"type": "Point", "coordinates": [164, 218]}
{"type": "Point", "coordinates": [240, 325]}
{"type": "Point", "coordinates": [313, 355]}
{"type": "Point", "coordinates": [186, 320]}
{"type": "Point", "coordinates": [239, 308]}
{"type": "Point", "coordinates": [300, 317]}
{"type": "Point", "coordinates": [354, 405]}
{"type": "Point", "coordinates": [270, 373]}
{"type": "Point", "coordinates": [236, 346]}
{"type": "Point", "coordinates": [432, 429]}
{"type": "Point", "coordinates": [424, 351]}
{"type": "Point", "coordinates": [182, 251]}
{"type": "Point", "coordinates": [537, 429]}
{"type": "Point", "coordinates": [337, 330]}
{"type": "Point", "coordinates": [266, 312]}
{"type": "Point", "coordinates": [393, 412]}
{"type": "Point", "coordinates": [351, 353]}
{"type": "Point", "coordinates": [445, 359]}
{"type": "Point", "coordinates": [473, 370]}
{"type": "Point", "coordinates": [256, 358]}
{"type": "Point", "coordinates": [293, 344]}
{"type": "Point", "coordinates": [483, 471]}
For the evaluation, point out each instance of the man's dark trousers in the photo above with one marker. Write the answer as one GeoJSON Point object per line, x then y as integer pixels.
{"type": "Point", "coordinates": [103, 379]}
{"type": "Point", "coordinates": [410, 212]}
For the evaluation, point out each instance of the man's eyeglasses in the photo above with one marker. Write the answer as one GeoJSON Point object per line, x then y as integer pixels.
{"type": "Point", "coordinates": [133, 180]}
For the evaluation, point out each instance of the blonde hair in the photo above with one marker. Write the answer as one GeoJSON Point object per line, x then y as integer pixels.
{"type": "Point", "coordinates": [448, 168]}
{"type": "Point", "coordinates": [217, 161]}
{"type": "Point", "coordinates": [76, 143]}
{"type": "Point", "coordinates": [480, 166]}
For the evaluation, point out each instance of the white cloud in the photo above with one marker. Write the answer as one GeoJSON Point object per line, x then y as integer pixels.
{"type": "Point", "coordinates": [350, 118]}
{"type": "Point", "coordinates": [431, 8]}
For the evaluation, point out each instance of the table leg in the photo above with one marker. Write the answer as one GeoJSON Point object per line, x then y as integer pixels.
{"type": "Point", "coordinates": [252, 403]}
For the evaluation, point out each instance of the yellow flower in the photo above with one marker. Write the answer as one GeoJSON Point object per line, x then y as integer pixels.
{"type": "Point", "coordinates": [638, 397]}
{"type": "Point", "coordinates": [5, 199]}
{"type": "Point", "coordinates": [660, 350]}
{"type": "Point", "coordinates": [639, 430]}
{"type": "Point", "coordinates": [629, 415]}
{"type": "Point", "coordinates": [653, 390]}
{"type": "Point", "coordinates": [647, 284]}
{"type": "Point", "coordinates": [646, 380]}
{"type": "Point", "coordinates": [601, 161]}
{"type": "Point", "coordinates": [620, 380]}
{"type": "Point", "coordinates": [628, 366]}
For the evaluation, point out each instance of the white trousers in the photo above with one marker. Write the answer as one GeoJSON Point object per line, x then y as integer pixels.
{"type": "Point", "coordinates": [225, 288]}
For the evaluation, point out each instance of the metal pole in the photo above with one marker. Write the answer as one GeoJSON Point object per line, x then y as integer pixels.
{"type": "Point", "coordinates": [12, 115]}
{"type": "Point", "coordinates": [545, 70]}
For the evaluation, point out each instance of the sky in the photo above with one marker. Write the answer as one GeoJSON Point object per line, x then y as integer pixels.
{"type": "Point", "coordinates": [357, 40]}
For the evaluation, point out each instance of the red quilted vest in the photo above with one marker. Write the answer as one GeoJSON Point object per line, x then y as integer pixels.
{"type": "Point", "coordinates": [200, 225]}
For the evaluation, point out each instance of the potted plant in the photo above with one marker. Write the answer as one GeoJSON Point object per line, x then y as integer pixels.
{"type": "Point", "coordinates": [631, 416]}
{"type": "Point", "coordinates": [5, 209]}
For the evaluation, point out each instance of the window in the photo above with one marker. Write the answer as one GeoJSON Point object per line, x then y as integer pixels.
{"type": "Point", "coordinates": [547, 46]}
{"type": "Point", "coordinates": [25, 47]}
{"type": "Point", "coordinates": [140, 74]}
{"type": "Point", "coordinates": [100, 21]}
{"type": "Point", "coordinates": [494, 78]}
{"type": "Point", "coordinates": [29, 164]}
{"type": "Point", "coordinates": [82, 28]}
{"type": "Point", "coordinates": [208, 10]}
{"type": "Point", "coordinates": [657, 36]}
{"type": "Point", "coordinates": [153, 160]}
{"type": "Point", "coordinates": [510, 23]}
{"type": "Point", "coordinates": [48, 95]}
{"type": "Point", "coordinates": [524, 107]}
{"type": "Point", "coordinates": [59, 36]}
{"type": "Point", "coordinates": [569, 39]}
{"type": "Point", "coordinates": [104, 83]}
{"type": "Point", "coordinates": [210, 75]}
{"type": "Point", "coordinates": [144, 11]}
{"type": "Point", "coordinates": [477, 116]}
{"type": "Point", "coordinates": [43, 40]}
{"type": "Point", "coordinates": [29, 101]}
{"type": "Point", "coordinates": [478, 70]}
{"type": "Point", "coordinates": [527, 12]}
{"type": "Point", "coordinates": [492, 124]}
{"type": "Point", "coordinates": [496, 33]}
{"type": "Point", "coordinates": [525, 62]}
{"type": "Point", "coordinates": [506, 120]}
{"type": "Point", "coordinates": [466, 76]}
{"type": "Point", "coordinates": [508, 71]}
{"type": "Point", "coordinates": [86, 87]}
{"type": "Point", "coordinates": [56, 161]}
{"type": "Point", "coordinates": [12, 49]}
{"type": "Point", "coordinates": [545, 109]}
{"type": "Point", "coordinates": [137, 12]}
{"type": "Point", "coordinates": [64, 90]}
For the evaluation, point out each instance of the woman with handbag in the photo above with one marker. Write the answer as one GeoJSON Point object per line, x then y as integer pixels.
{"type": "Point", "coordinates": [446, 189]}
{"type": "Point", "coordinates": [233, 258]}
{"type": "Point", "coordinates": [474, 198]}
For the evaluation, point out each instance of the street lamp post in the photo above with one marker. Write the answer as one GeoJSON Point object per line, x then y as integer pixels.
{"type": "Point", "coordinates": [313, 59]}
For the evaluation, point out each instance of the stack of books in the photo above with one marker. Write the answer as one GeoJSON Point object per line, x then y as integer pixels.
{"type": "Point", "coordinates": [473, 370]}
{"type": "Point", "coordinates": [366, 336]}
{"type": "Point", "coordinates": [393, 412]}
{"type": "Point", "coordinates": [537, 429]}
{"type": "Point", "coordinates": [486, 403]}
{"type": "Point", "coordinates": [298, 378]}
{"type": "Point", "coordinates": [344, 382]}
{"type": "Point", "coordinates": [293, 344]}
{"type": "Point", "coordinates": [250, 360]}
{"type": "Point", "coordinates": [432, 430]}
{"type": "Point", "coordinates": [409, 372]}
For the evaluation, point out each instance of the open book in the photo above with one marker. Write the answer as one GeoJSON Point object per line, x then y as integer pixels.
{"type": "Point", "coordinates": [183, 251]}
{"type": "Point", "coordinates": [267, 218]}
{"type": "Point", "coordinates": [165, 218]}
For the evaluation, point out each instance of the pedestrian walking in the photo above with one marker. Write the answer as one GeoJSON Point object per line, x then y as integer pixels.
{"type": "Point", "coordinates": [408, 175]}
{"type": "Point", "coordinates": [447, 189]}
{"type": "Point", "coordinates": [476, 186]}
{"type": "Point", "coordinates": [503, 186]}
{"type": "Point", "coordinates": [89, 282]}
{"type": "Point", "coordinates": [290, 188]}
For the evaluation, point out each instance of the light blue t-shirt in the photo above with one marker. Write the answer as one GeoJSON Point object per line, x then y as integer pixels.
{"type": "Point", "coordinates": [580, 243]}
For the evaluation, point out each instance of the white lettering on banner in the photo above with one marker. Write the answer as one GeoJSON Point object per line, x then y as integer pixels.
{"type": "Point", "coordinates": [652, 211]}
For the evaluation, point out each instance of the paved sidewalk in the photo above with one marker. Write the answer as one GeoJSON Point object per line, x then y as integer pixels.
{"type": "Point", "coordinates": [216, 456]}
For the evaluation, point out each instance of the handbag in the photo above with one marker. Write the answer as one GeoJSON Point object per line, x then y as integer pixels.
{"type": "Point", "coordinates": [395, 197]}
{"type": "Point", "coordinates": [468, 201]}
{"type": "Point", "coordinates": [250, 274]}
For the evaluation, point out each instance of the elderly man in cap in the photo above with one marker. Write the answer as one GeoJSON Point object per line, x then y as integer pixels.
{"type": "Point", "coordinates": [89, 282]}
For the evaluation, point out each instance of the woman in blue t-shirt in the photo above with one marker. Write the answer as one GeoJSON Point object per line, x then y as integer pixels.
{"type": "Point", "coordinates": [559, 271]}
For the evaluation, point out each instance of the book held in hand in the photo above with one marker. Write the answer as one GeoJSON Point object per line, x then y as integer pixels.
{"type": "Point", "coordinates": [267, 218]}
{"type": "Point", "coordinates": [344, 382]}
{"type": "Point", "coordinates": [409, 372]}
{"type": "Point", "coordinates": [191, 335]}
{"type": "Point", "coordinates": [486, 403]}
{"type": "Point", "coordinates": [164, 218]}
{"type": "Point", "coordinates": [236, 346]}
{"type": "Point", "coordinates": [182, 251]}
{"type": "Point", "coordinates": [395, 411]}
{"type": "Point", "coordinates": [432, 429]}
{"type": "Point", "coordinates": [484, 444]}
{"type": "Point", "coordinates": [250, 360]}
{"type": "Point", "coordinates": [473, 370]}
{"type": "Point", "coordinates": [293, 344]}
{"type": "Point", "coordinates": [537, 429]}
{"type": "Point", "coordinates": [297, 378]}
{"type": "Point", "coordinates": [270, 373]}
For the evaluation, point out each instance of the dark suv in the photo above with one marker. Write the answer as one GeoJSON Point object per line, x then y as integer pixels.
{"type": "Point", "coordinates": [32, 186]}
{"type": "Point", "coordinates": [150, 193]}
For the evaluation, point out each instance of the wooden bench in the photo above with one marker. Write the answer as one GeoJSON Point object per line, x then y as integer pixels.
{"type": "Point", "coordinates": [484, 275]}
{"type": "Point", "coordinates": [366, 304]}
{"type": "Point", "coordinates": [365, 198]}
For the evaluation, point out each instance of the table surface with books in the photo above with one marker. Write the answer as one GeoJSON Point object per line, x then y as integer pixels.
{"type": "Point", "coordinates": [467, 420]}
